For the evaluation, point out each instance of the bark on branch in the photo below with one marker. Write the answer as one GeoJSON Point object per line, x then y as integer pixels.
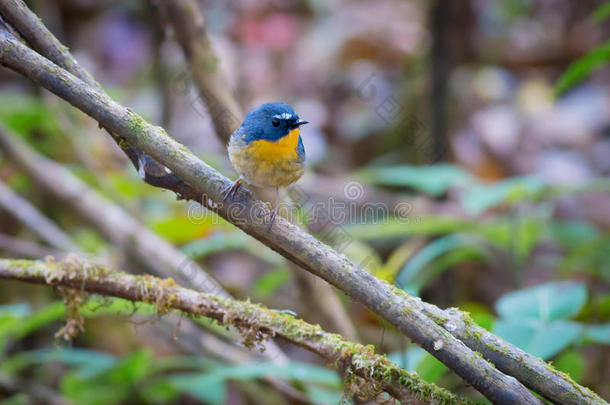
{"type": "Point", "coordinates": [254, 322]}
{"type": "Point", "coordinates": [188, 25]}
{"type": "Point", "coordinates": [412, 317]}
{"type": "Point", "coordinates": [141, 245]}
{"type": "Point", "coordinates": [29, 26]}
{"type": "Point", "coordinates": [289, 240]}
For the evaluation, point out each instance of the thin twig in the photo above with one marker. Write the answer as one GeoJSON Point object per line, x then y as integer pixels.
{"type": "Point", "coordinates": [254, 321]}
{"type": "Point", "coordinates": [21, 248]}
{"type": "Point", "coordinates": [148, 249]}
{"type": "Point", "coordinates": [189, 28]}
{"type": "Point", "coordinates": [21, 209]}
{"type": "Point", "coordinates": [44, 42]}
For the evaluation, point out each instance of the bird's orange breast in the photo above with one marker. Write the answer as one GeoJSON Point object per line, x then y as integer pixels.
{"type": "Point", "coordinates": [284, 148]}
{"type": "Point", "coordinates": [268, 163]}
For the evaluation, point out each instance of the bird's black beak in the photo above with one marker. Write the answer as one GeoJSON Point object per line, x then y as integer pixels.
{"type": "Point", "coordinates": [298, 123]}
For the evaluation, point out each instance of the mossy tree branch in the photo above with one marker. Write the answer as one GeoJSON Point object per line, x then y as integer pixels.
{"type": "Point", "coordinates": [408, 314]}
{"type": "Point", "coordinates": [287, 239]}
{"type": "Point", "coordinates": [254, 322]}
{"type": "Point", "coordinates": [140, 244]}
{"type": "Point", "coordinates": [189, 28]}
{"type": "Point", "coordinates": [37, 35]}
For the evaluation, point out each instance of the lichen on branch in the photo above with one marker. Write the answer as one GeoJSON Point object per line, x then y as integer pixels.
{"type": "Point", "coordinates": [367, 371]}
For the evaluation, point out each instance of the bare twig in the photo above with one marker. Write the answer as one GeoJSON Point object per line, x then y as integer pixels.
{"type": "Point", "coordinates": [254, 321]}
{"type": "Point", "coordinates": [388, 302]}
{"type": "Point", "coordinates": [21, 248]}
{"type": "Point", "coordinates": [21, 209]}
{"type": "Point", "coordinates": [42, 40]}
{"type": "Point", "coordinates": [123, 230]}
{"type": "Point", "coordinates": [91, 207]}
{"type": "Point", "coordinates": [189, 28]}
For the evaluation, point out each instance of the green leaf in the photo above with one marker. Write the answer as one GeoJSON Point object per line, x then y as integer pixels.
{"type": "Point", "coordinates": [217, 242]}
{"type": "Point", "coordinates": [220, 241]}
{"type": "Point", "coordinates": [89, 240]}
{"type": "Point", "coordinates": [408, 359]}
{"type": "Point", "coordinates": [25, 114]}
{"type": "Point", "coordinates": [601, 13]}
{"type": "Point", "coordinates": [598, 334]}
{"type": "Point", "coordinates": [480, 314]}
{"type": "Point", "coordinates": [478, 198]}
{"type": "Point", "coordinates": [583, 67]}
{"type": "Point", "coordinates": [18, 328]}
{"type": "Point", "coordinates": [323, 395]}
{"type": "Point", "coordinates": [15, 311]}
{"type": "Point", "coordinates": [591, 256]}
{"type": "Point", "coordinates": [87, 361]}
{"type": "Point", "coordinates": [209, 386]}
{"type": "Point", "coordinates": [127, 186]}
{"type": "Point", "coordinates": [545, 302]}
{"type": "Point", "coordinates": [421, 259]}
{"type": "Point", "coordinates": [572, 233]}
{"type": "Point", "coordinates": [210, 390]}
{"type": "Point", "coordinates": [92, 392]}
{"type": "Point", "coordinates": [269, 282]}
{"type": "Point", "coordinates": [180, 228]}
{"type": "Point", "coordinates": [416, 359]}
{"type": "Point", "coordinates": [430, 368]}
{"type": "Point", "coordinates": [395, 228]}
{"type": "Point", "coordinates": [539, 338]}
{"type": "Point", "coordinates": [434, 180]}
{"type": "Point", "coordinates": [572, 363]}
{"type": "Point", "coordinates": [18, 399]}
{"type": "Point", "coordinates": [108, 385]}
{"type": "Point", "coordinates": [292, 371]}
{"type": "Point", "coordinates": [159, 391]}
{"type": "Point", "coordinates": [445, 262]}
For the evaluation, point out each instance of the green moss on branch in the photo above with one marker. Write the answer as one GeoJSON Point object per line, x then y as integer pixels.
{"type": "Point", "coordinates": [375, 373]}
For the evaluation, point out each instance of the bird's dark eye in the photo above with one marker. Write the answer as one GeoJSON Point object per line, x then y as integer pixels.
{"type": "Point", "coordinates": [275, 122]}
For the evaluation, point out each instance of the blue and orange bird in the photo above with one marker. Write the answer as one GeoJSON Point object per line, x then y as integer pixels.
{"type": "Point", "coordinates": [267, 149]}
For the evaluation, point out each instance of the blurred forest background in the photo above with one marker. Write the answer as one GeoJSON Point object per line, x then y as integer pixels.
{"type": "Point", "coordinates": [482, 127]}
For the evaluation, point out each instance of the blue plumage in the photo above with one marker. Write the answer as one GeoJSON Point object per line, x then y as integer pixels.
{"type": "Point", "coordinates": [270, 122]}
{"type": "Point", "coordinates": [267, 149]}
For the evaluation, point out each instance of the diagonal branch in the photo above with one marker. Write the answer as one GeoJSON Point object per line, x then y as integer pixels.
{"type": "Point", "coordinates": [189, 28]}
{"type": "Point", "coordinates": [190, 31]}
{"type": "Point", "coordinates": [398, 308]}
{"type": "Point", "coordinates": [254, 321]}
{"type": "Point", "coordinates": [142, 245]}
{"type": "Point", "coordinates": [35, 220]}
{"type": "Point", "coordinates": [319, 259]}
{"type": "Point", "coordinates": [44, 42]}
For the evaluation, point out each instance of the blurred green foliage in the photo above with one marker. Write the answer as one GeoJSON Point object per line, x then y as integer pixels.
{"type": "Point", "coordinates": [498, 249]}
{"type": "Point", "coordinates": [95, 377]}
{"type": "Point", "coordinates": [595, 59]}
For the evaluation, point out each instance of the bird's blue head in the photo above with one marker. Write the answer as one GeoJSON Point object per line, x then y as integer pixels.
{"type": "Point", "coordinates": [270, 122]}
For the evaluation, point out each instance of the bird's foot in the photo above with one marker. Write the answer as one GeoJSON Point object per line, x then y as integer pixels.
{"type": "Point", "coordinates": [231, 189]}
{"type": "Point", "coordinates": [273, 215]}
{"type": "Point", "coordinates": [275, 208]}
